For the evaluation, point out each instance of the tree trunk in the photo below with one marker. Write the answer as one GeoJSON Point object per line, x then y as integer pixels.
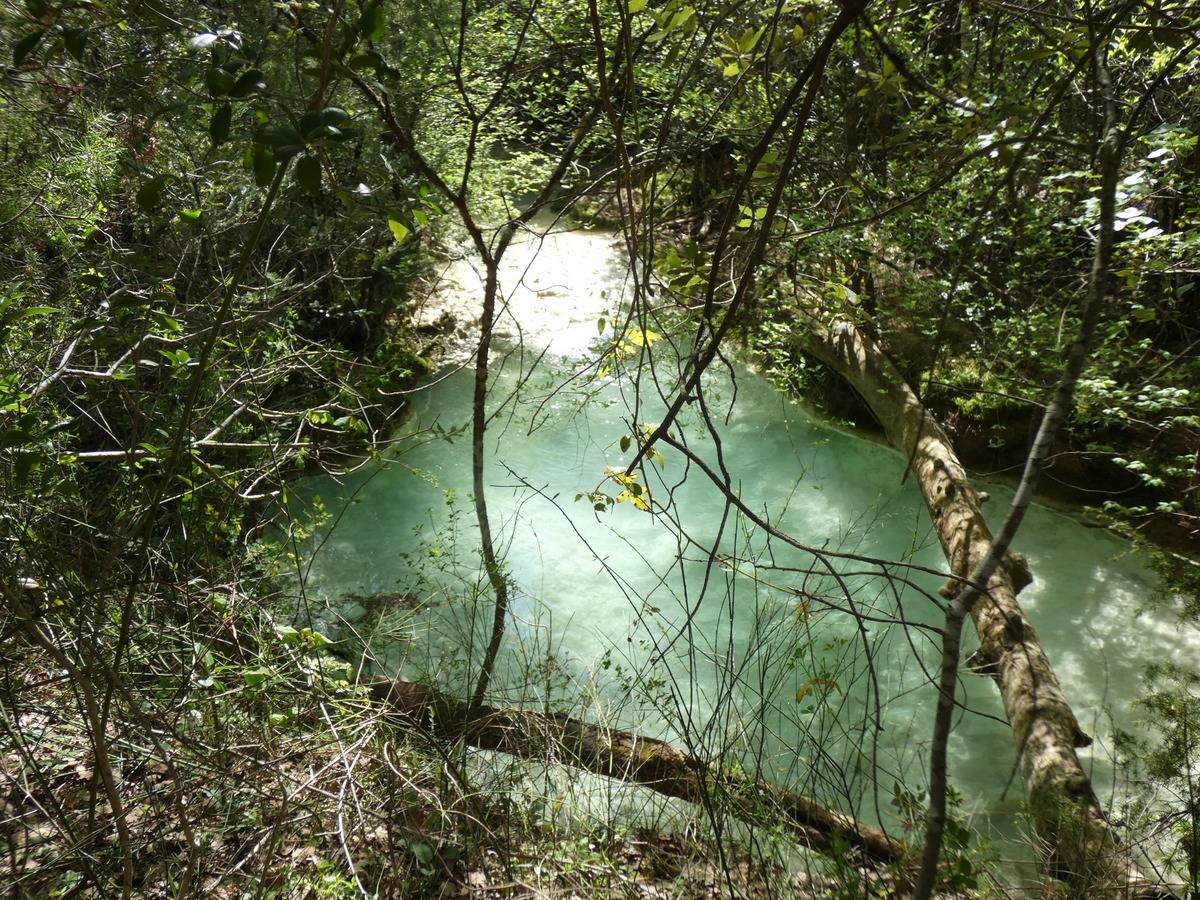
{"type": "Point", "coordinates": [491, 565]}
{"type": "Point", "coordinates": [1078, 841]}
{"type": "Point", "coordinates": [645, 761]}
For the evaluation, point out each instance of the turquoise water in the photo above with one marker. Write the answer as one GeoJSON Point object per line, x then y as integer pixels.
{"type": "Point", "coordinates": [747, 653]}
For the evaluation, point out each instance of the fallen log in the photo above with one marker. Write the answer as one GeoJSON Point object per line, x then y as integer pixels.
{"type": "Point", "coordinates": [635, 759]}
{"type": "Point", "coordinates": [1078, 841]}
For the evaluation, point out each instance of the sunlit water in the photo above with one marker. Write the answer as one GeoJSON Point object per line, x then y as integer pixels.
{"type": "Point", "coordinates": [749, 664]}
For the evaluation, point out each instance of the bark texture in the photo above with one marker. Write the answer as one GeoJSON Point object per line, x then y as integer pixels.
{"type": "Point", "coordinates": [1078, 842]}
{"type": "Point", "coordinates": [645, 761]}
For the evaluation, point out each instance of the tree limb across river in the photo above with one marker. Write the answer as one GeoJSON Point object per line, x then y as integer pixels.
{"type": "Point", "coordinates": [1078, 841]}
{"type": "Point", "coordinates": [636, 759]}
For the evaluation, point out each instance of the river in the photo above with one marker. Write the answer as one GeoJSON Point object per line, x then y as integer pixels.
{"type": "Point", "coordinates": [623, 616]}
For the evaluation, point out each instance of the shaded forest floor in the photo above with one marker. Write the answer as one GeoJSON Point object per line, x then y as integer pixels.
{"type": "Point", "coordinates": [327, 799]}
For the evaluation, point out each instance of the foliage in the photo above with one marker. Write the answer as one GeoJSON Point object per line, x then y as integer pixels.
{"type": "Point", "coordinates": [219, 222]}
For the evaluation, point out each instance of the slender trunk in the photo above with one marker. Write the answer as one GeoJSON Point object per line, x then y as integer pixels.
{"type": "Point", "coordinates": [491, 256]}
{"type": "Point", "coordinates": [633, 758]}
{"type": "Point", "coordinates": [491, 564]}
{"type": "Point", "coordinates": [939, 769]}
{"type": "Point", "coordinates": [1193, 812]}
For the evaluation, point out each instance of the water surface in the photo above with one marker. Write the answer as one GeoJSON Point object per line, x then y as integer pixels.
{"type": "Point", "coordinates": [745, 652]}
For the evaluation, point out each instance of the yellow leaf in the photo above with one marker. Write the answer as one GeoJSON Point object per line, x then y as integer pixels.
{"type": "Point", "coordinates": [637, 498]}
{"type": "Point", "coordinates": [804, 689]}
{"type": "Point", "coordinates": [639, 338]}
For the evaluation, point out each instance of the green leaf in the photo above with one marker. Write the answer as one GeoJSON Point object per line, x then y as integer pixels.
{"type": "Point", "coordinates": [334, 115]}
{"type": "Point", "coordinates": [191, 215]}
{"type": "Point", "coordinates": [170, 326]}
{"type": "Point", "coordinates": [27, 45]}
{"type": "Point", "coordinates": [284, 141]}
{"type": "Point", "coordinates": [369, 60]}
{"type": "Point", "coordinates": [202, 41]}
{"type": "Point", "coordinates": [26, 463]}
{"type": "Point", "coordinates": [636, 6]}
{"type": "Point", "coordinates": [218, 127]}
{"type": "Point", "coordinates": [150, 194]}
{"type": "Point", "coordinates": [734, 68]}
{"type": "Point", "coordinates": [1032, 55]}
{"type": "Point", "coordinates": [275, 136]}
{"type": "Point", "coordinates": [308, 174]}
{"type": "Point", "coordinates": [75, 40]}
{"type": "Point", "coordinates": [310, 122]}
{"type": "Point", "coordinates": [31, 311]}
{"type": "Point", "coordinates": [399, 230]}
{"type": "Point", "coordinates": [315, 120]}
{"type": "Point", "coordinates": [248, 82]}
{"type": "Point", "coordinates": [315, 639]}
{"type": "Point", "coordinates": [176, 357]}
{"type": "Point", "coordinates": [257, 676]}
{"type": "Point", "coordinates": [422, 851]}
{"type": "Point", "coordinates": [372, 23]}
{"type": "Point", "coordinates": [749, 39]}
{"type": "Point", "coordinates": [326, 123]}
{"type": "Point", "coordinates": [263, 162]}
{"type": "Point", "coordinates": [679, 18]}
{"type": "Point", "coordinates": [218, 81]}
